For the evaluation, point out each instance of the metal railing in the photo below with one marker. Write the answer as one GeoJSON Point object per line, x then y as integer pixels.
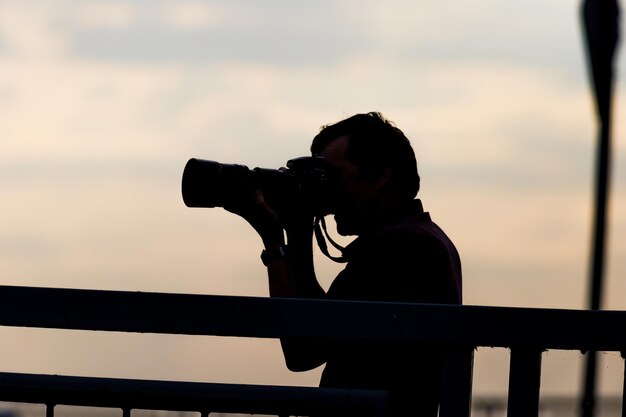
{"type": "Point", "coordinates": [527, 332]}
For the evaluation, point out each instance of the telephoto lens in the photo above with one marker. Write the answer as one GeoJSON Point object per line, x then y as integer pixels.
{"type": "Point", "coordinates": [213, 184]}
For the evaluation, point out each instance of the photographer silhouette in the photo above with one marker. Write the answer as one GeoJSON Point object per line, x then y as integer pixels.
{"type": "Point", "coordinates": [399, 255]}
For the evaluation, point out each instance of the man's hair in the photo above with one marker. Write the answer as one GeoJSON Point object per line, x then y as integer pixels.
{"type": "Point", "coordinates": [374, 145]}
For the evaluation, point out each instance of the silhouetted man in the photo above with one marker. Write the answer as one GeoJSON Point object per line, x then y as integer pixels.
{"type": "Point", "coordinates": [399, 255]}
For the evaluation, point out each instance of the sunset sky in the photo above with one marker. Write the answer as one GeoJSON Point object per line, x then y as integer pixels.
{"type": "Point", "coordinates": [103, 102]}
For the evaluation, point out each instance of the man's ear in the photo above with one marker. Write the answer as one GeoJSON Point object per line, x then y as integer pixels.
{"type": "Point", "coordinates": [382, 179]}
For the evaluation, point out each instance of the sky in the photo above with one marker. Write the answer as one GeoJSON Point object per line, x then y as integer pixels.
{"type": "Point", "coordinates": [103, 102]}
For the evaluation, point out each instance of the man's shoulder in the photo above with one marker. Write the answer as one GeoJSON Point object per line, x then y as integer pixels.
{"type": "Point", "coordinates": [417, 229]}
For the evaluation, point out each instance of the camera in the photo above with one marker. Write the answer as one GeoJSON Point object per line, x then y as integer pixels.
{"type": "Point", "coordinates": [307, 183]}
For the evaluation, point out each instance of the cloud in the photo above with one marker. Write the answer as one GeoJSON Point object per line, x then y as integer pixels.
{"type": "Point", "coordinates": [27, 33]}
{"type": "Point", "coordinates": [104, 15]}
{"type": "Point", "coordinates": [194, 15]}
{"type": "Point", "coordinates": [300, 34]}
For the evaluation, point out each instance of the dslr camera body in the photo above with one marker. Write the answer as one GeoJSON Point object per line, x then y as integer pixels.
{"type": "Point", "coordinates": [307, 183]}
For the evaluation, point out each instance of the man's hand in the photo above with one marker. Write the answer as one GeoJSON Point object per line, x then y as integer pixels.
{"type": "Point", "coordinates": [263, 218]}
{"type": "Point", "coordinates": [269, 224]}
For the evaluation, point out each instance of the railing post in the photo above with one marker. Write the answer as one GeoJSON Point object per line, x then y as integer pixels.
{"type": "Point", "coordinates": [456, 382]}
{"type": "Point", "coordinates": [624, 384]}
{"type": "Point", "coordinates": [524, 382]}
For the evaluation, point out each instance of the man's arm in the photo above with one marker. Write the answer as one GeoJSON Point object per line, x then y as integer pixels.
{"type": "Point", "coordinates": [290, 269]}
{"type": "Point", "coordinates": [290, 266]}
{"type": "Point", "coordinates": [293, 275]}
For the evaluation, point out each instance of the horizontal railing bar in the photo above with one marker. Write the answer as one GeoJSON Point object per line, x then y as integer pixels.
{"type": "Point", "coordinates": [130, 394]}
{"type": "Point", "coordinates": [263, 317]}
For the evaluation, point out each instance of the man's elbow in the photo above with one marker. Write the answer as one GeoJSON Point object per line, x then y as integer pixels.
{"type": "Point", "coordinates": [301, 365]}
{"type": "Point", "coordinates": [301, 355]}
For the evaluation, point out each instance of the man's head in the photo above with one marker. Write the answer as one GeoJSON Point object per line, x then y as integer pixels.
{"type": "Point", "coordinates": [376, 166]}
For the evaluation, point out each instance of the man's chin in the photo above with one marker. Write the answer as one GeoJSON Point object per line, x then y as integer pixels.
{"type": "Point", "coordinates": [344, 226]}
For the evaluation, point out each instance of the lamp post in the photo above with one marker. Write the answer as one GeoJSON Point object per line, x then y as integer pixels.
{"type": "Point", "coordinates": [601, 23]}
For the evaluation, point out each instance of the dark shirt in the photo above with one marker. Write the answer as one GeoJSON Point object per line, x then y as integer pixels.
{"type": "Point", "coordinates": [407, 258]}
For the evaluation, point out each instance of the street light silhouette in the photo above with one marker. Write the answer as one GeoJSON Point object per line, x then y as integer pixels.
{"type": "Point", "coordinates": [601, 24]}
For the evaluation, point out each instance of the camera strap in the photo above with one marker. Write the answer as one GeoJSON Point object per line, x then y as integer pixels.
{"type": "Point", "coordinates": [321, 240]}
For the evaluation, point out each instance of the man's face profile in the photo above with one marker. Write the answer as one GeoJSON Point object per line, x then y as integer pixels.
{"type": "Point", "coordinates": [355, 193]}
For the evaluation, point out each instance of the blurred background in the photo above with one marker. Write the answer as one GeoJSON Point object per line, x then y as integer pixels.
{"type": "Point", "coordinates": [103, 102]}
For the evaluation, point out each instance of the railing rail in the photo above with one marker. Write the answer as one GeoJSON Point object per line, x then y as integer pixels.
{"type": "Point", "coordinates": [204, 398]}
{"type": "Point", "coordinates": [262, 317]}
{"type": "Point", "coordinates": [527, 332]}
